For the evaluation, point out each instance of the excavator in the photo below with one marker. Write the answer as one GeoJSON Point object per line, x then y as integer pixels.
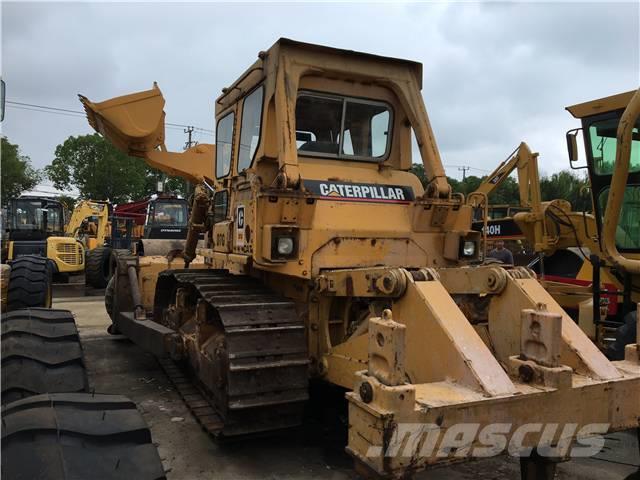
{"type": "Point", "coordinates": [324, 257]}
{"type": "Point", "coordinates": [496, 221]}
{"type": "Point", "coordinates": [89, 224]}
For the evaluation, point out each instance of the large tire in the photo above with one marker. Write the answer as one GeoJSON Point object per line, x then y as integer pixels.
{"type": "Point", "coordinates": [41, 353]}
{"type": "Point", "coordinates": [29, 283]}
{"type": "Point", "coordinates": [109, 293]}
{"type": "Point", "coordinates": [73, 436]}
{"type": "Point", "coordinates": [97, 269]}
{"type": "Point", "coordinates": [115, 253]}
{"type": "Point", "coordinates": [5, 271]}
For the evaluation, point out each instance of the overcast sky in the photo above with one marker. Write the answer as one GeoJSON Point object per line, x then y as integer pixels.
{"type": "Point", "coordinates": [494, 73]}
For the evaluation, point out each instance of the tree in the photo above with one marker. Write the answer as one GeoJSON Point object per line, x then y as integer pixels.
{"type": "Point", "coordinates": [100, 171]}
{"type": "Point", "coordinates": [17, 174]}
{"type": "Point", "coordinates": [568, 186]}
{"type": "Point", "coordinates": [68, 201]}
{"type": "Point", "coordinates": [565, 185]}
{"type": "Point", "coordinates": [506, 194]}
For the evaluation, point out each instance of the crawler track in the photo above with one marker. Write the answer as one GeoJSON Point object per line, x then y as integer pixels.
{"type": "Point", "coordinates": [260, 365]}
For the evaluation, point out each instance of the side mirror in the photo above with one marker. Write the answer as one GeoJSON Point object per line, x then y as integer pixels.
{"type": "Point", "coordinates": [2, 90]}
{"type": "Point", "coordinates": [572, 145]}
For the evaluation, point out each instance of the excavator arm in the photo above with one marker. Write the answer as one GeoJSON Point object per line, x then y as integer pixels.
{"type": "Point", "coordinates": [134, 123]}
{"type": "Point", "coordinates": [526, 162]}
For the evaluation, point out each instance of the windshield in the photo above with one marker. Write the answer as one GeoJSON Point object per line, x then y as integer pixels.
{"type": "Point", "coordinates": [37, 215]}
{"type": "Point", "coordinates": [170, 213]}
{"type": "Point", "coordinates": [342, 127]}
{"type": "Point", "coordinates": [602, 136]}
{"type": "Point", "coordinates": [628, 229]}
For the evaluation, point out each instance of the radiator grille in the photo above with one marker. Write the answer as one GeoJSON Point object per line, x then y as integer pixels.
{"type": "Point", "coordinates": [69, 253]}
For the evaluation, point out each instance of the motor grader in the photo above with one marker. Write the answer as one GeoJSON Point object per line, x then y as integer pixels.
{"type": "Point", "coordinates": [325, 258]}
{"type": "Point", "coordinates": [579, 267]}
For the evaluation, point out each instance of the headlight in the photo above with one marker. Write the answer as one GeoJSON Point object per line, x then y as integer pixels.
{"type": "Point", "coordinates": [285, 246]}
{"type": "Point", "coordinates": [469, 249]}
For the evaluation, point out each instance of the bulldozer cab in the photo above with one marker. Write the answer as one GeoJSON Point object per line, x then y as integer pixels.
{"type": "Point", "coordinates": [311, 146]}
{"type": "Point", "coordinates": [337, 114]}
{"type": "Point", "coordinates": [600, 119]}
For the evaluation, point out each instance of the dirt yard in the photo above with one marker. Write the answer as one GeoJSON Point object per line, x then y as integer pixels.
{"type": "Point", "coordinates": [315, 450]}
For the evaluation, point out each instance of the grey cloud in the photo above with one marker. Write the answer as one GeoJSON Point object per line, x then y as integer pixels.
{"type": "Point", "coordinates": [495, 73]}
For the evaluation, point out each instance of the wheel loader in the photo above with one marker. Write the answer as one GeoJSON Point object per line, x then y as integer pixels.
{"type": "Point", "coordinates": [325, 258]}
{"type": "Point", "coordinates": [35, 226]}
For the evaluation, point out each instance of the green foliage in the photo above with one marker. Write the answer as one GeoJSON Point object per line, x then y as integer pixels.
{"type": "Point", "coordinates": [565, 184]}
{"type": "Point", "coordinates": [17, 174]}
{"type": "Point", "coordinates": [68, 201]}
{"type": "Point", "coordinates": [100, 171]}
{"type": "Point", "coordinates": [568, 186]}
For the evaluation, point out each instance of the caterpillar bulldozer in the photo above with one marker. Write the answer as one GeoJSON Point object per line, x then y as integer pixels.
{"type": "Point", "coordinates": [324, 257]}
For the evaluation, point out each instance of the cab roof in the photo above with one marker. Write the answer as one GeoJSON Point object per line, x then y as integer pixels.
{"type": "Point", "coordinates": [316, 55]}
{"type": "Point", "coordinates": [601, 105]}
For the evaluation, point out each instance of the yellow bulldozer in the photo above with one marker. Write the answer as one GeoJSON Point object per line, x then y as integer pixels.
{"type": "Point", "coordinates": [325, 258]}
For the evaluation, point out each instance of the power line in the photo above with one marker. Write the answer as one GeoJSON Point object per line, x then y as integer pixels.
{"type": "Point", "coordinates": [189, 126]}
{"type": "Point", "coordinates": [43, 106]}
{"type": "Point", "coordinates": [78, 113]}
{"type": "Point", "coordinates": [468, 167]}
{"type": "Point", "coordinates": [18, 107]}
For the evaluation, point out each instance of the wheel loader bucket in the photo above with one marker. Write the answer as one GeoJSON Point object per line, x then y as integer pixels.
{"type": "Point", "coordinates": [134, 123]}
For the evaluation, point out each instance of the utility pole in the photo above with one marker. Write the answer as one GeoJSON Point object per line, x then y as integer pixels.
{"type": "Point", "coordinates": [189, 143]}
{"type": "Point", "coordinates": [464, 169]}
{"type": "Point", "coordinates": [188, 188]}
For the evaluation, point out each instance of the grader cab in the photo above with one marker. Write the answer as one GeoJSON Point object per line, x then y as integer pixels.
{"type": "Point", "coordinates": [325, 257]}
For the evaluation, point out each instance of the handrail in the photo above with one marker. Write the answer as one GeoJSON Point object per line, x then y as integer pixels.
{"type": "Point", "coordinates": [618, 185]}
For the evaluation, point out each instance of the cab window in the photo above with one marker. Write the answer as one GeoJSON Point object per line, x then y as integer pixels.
{"type": "Point", "coordinates": [628, 229]}
{"type": "Point", "coordinates": [220, 206]}
{"type": "Point", "coordinates": [342, 127]}
{"type": "Point", "coordinates": [224, 143]}
{"type": "Point", "coordinates": [170, 213]}
{"type": "Point", "coordinates": [602, 136]}
{"type": "Point", "coordinates": [250, 129]}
